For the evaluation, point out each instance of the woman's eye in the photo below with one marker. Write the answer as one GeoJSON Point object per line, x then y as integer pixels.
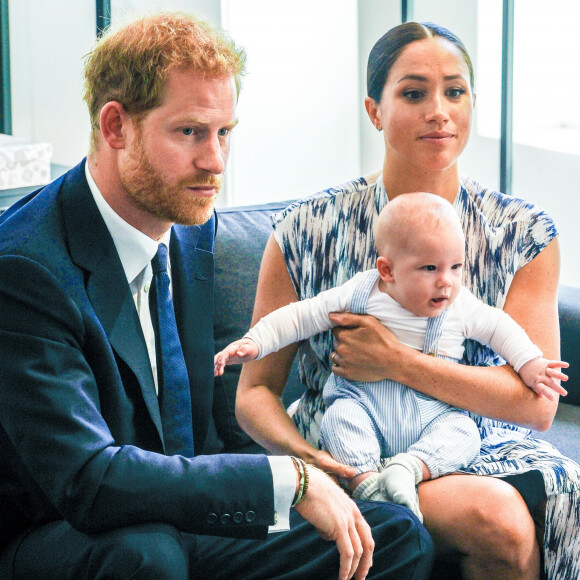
{"type": "Point", "coordinates": [413, 94]}
{"type": "Point", "coordinates": [455, 93]}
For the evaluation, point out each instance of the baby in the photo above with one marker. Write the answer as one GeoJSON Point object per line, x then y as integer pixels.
{"type": "Point", "coordinates": [396, 437]}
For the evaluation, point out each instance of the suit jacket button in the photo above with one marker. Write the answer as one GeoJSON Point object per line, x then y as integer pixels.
{"type": "Point", "coordinates": [225, 519]}
{"type": "Point", "coordinates": [238, 517]}
{"type": "Point", "coordinates": [250, 516]}
{"type": "Point", "coordinates": [212, 518]}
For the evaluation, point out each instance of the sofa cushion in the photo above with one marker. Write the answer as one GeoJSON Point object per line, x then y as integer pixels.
{"type": "Point", "coordinates": [241, 238]}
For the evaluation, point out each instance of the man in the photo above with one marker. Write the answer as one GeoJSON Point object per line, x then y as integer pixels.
{"type": "Point", "coordinates": [98, 477]}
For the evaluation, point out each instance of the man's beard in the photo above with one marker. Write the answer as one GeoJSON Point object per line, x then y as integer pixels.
{"type": "Point", "coordinates": [174, 203]}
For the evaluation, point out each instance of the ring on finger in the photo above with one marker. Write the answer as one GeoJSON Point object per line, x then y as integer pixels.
{"type": "Point", "coordinates": [333, 360]}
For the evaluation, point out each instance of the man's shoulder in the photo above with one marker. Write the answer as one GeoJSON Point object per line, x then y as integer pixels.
{"type": "Point", "coordinates": [34, 206]}
{"type": "Point", "coordinates": [34, 227]}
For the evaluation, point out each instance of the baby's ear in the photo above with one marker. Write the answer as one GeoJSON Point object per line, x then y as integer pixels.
{"type": "Point", "coordinates": [385, 268]}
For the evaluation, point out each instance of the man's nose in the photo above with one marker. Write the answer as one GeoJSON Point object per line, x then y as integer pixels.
{"type": "Point", "coordinates": [210, 156]}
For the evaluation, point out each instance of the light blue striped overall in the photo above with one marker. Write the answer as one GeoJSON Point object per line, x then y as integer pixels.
{"type": "Point", "coordinates": [367, 422]}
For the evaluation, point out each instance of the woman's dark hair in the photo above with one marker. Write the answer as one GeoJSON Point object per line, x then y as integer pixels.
{"type": "Point", "coordinates": [388, 48]}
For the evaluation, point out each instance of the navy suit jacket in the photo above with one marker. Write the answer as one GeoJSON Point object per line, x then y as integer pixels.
{"type": "Point", "coordinates": [80, 429]}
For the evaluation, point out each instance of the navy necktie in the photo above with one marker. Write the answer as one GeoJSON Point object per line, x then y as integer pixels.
{"type": "Point", "coordinates": [174, 393]}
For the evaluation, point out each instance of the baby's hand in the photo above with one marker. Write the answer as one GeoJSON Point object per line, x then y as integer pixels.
{"type": "Point", "coordinates": [542, 377]}
{"type": "Point", "coordinates": [238, 352]}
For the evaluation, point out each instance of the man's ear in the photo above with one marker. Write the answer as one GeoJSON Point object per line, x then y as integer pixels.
{"type": "Point", "coordinates": [114, 120]}
{"type": "Point", "coordinates": [385, 268]}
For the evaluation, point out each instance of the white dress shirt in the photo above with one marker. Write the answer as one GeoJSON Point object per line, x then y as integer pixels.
{"type": "Point", "coordinates": [136, 250]}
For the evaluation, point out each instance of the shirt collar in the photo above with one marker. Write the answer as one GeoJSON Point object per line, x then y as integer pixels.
{"type": "Point", "coordinates": [135, 249]}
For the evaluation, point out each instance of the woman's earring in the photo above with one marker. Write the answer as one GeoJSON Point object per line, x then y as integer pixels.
{"type": "Point", "coordinates": [379, 128]}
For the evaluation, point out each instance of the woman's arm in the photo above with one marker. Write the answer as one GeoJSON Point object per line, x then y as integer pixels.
{"type": "Point", "coordinates": [259, 407]}
{"type": "Point", "coordinates": [367, 351]}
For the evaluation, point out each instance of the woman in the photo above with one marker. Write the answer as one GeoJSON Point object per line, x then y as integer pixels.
{"type": "Point", "coordinates": [421, 95]}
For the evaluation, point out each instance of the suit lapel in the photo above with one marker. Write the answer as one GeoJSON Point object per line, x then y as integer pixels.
{"type": "Point", "coordinates": [192, 279]}
{"type": "Point", "coordinates": [93, 250]}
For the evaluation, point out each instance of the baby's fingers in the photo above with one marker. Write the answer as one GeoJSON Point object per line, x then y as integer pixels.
{"type": "Point", "coordinates": [554, 386]}
{"type": "Point", "coordinates": [557, 364]}
{"type": "Point", "coordinates": [544, 391]}
{"type": "Point", "coordinates": [556, 375]}
{"type": "Point", "coordinates": [219, 365]}
{"type": "Point", "coordinates": [548, 389]}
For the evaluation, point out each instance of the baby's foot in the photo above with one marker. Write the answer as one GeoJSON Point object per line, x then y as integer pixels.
{"type": "Point", "coordinates": [369, 489]}
{"type": "Point", "coordinates": [398, 480]}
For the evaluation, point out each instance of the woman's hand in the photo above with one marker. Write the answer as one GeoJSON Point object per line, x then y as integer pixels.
{"type": "Point", "coordinates": [365, 349]}
{"type": "Point", "coordinates": [324, 461]}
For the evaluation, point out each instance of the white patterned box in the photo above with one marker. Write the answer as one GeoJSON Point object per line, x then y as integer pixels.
{"type": "Point", "coordinates": [23, 163]}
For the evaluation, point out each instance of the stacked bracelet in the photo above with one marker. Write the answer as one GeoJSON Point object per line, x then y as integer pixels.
{"type": "Point", "coordinates": [303, 480]}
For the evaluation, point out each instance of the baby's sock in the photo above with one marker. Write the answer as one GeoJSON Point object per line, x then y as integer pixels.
{"type": "Point", "coordinates": [398, 479]}
{"type": "Point", "coordinates": [369, 489]}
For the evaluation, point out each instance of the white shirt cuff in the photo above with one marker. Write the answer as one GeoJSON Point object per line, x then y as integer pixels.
{"type": "Point", "coordinates": [284, 478]}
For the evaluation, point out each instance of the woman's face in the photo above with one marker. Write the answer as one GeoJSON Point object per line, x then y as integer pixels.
{"type": "Point", "coordinates": [426, 106]}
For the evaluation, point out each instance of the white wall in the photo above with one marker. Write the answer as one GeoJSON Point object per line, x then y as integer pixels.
{"type": "Point", "coordinates": [552, 180]}
{"type": "Point", "coordinates": [299, 109]}
{"type": "Point", "coordinates": [375, 18]}
{"type": "Point", "coordinates": [47, 43]}
{"type": "Point", "coordinates": [209, 10]}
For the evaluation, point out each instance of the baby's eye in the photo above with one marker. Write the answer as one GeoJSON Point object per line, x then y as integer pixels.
{"type": "Point", "coordinates": [456, 266]}
{"type": "Point", "coordinates": [429, 268]}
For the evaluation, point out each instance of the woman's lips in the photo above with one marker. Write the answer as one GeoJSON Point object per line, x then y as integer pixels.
{"type": "Point", "coordinates": [437, 136]}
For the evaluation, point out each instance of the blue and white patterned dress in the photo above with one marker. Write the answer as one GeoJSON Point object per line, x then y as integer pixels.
{"type": "Point", "coordinates": [329, 237]}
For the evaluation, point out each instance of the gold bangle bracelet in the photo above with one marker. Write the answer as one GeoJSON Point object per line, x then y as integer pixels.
{"type": "Point", "coordinates": [303, 476]}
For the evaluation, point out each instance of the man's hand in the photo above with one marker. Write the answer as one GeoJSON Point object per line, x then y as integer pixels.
{"type": "Point", "coordinates": [542, 377]}
{"type": "Point", "coordinates": [364, 348]}
{"type": "Point", "coordinates": [337, 518]}
{"type": "Point", "coordinates": [238, 352]}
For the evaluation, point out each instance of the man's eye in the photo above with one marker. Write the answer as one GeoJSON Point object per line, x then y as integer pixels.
{"type": "Point", "coordinates": [187, 131]}
{"type": "Point", "coordinates": [224, 132]}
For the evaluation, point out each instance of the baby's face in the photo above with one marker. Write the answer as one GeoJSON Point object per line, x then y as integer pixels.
{"type": "Point", "coordinates": [427, 271]}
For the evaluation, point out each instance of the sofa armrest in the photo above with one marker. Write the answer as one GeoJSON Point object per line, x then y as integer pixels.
{"type": "Point", "coordinates": [569, 312]}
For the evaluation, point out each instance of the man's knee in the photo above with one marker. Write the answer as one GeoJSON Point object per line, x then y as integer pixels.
{"type": "Point", "coordinates": [401, 541]}
{"type": "Point", "coordinates": [153, 551]}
